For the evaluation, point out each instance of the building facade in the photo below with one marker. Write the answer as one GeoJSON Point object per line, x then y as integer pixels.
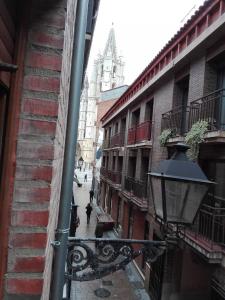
{"type": "Point", "coordinates": [107, 74]}
{"type": "Point", "coordinates": [107, 99]}
{"type": "Point", "coordinates": [36, 46]}
{"type": "Point", "coordinates": [182, 86]}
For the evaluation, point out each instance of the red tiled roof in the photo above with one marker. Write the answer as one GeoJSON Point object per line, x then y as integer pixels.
{"type": "Point", "coordinates": [201, 19]}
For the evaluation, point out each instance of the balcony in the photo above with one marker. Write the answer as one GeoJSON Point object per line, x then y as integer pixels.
{"type": "Point", "coordinates": [210, 224]}
{"type": "Point", "coordinates": [115, 177]}
{"type": "Point", "coordinates": [210, 108]}
{"type": "Point", "coordinates": [106, 144]}
{"type": "Point", "coordinates": [104, 172]}
{"type": "Point", "coordinates": [176, 120]}
{"type": "Point", "coordinates": [139, 133]}
{"type": "Point", "coordinates": [117, 140]}
{"type": "Point", "coordinates": [207, 234]}
{"type": "Point", "coordinates": [137, 191]}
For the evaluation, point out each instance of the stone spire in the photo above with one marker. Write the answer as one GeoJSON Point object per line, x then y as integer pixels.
{"type": "Point", "coordinates": [108, 69]}
{"type": "Point", "coordinates": [110, 47]}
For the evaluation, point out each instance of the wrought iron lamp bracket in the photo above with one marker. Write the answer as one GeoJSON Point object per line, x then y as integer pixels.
{"type": "Point", "coordinates": [94, 258]}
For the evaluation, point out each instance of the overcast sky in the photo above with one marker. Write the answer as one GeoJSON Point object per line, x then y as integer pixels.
{"type": "Point", "coordinates": [142, 28]}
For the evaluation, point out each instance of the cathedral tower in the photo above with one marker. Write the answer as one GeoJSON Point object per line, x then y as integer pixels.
{"type": "Point", "coordinates": [107, 74]}
{"type": "Point", "coordinates": [108, 68]}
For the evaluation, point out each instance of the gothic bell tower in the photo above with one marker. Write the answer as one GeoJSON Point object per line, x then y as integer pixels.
{"type": "Point", "coordinates": [108, 68]}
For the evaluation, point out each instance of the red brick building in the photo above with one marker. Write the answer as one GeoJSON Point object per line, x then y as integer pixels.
{"type": "Point", "coordinates": [37, 37]}
{"type": "Point", "coordinates": [184, 84]}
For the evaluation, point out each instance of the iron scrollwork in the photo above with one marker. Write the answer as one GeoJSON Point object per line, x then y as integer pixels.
{"type": "Point", "coordinates": [90, 259]}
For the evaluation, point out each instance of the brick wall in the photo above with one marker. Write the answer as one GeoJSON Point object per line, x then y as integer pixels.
{"type": "Point", "coordinates": [196, 82]}
{"type": "Point", "coordinates": [40, 147]}
{"type": "Point", "coordinates": [162, 103]}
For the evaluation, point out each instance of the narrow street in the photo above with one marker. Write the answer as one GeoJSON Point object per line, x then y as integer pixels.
{"type": "Point", "coordinates": [122, 284]}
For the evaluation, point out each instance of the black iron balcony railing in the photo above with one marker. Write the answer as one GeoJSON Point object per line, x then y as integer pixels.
{"type": "Point", "coordinates": [210, 108]}
{"type": "Point", "coordinates": [105, 144]}
{"type": "Point", "coordinates": [176, 120]}
{"type": "Point", "coordinates": [209, 225]}
{"type": "Point", "coordinates": [104, 171]}
{"type": "Point", "coordinates": [117, 140]}
{"type": "Point", "coordinates": [141, 132]}
{"type": "Point", "coordinates": [137, 188]}
{"type": "Point", "coordinates": [115, 176]}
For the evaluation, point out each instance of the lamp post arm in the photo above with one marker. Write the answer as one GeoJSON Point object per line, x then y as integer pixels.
{"type": "Point", "coordinates": [93, 258]}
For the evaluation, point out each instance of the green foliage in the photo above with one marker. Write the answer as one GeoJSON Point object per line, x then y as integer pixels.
{"type": "Point", "coordinates": [194, 137]}
{"type": "Point", "coordinates": [164, 136]}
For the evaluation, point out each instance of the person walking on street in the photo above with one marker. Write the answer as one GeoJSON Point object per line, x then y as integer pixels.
{"type": "Point", "coordinates": [88, 212]}
{"type": "Point", "coordinates": [91, 195]}
{"type": "Point", "coordinates": [85, 178]}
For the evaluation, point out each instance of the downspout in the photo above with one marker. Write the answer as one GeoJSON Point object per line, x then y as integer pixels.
{"type": "Point", "coordinates": [62, 231]}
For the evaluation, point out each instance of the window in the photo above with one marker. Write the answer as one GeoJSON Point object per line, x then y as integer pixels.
{"type": "Point", "coordinates": [135, 117]}
{"type": "Point", "coordinates": [114, 71]}
{"type": "Point", "coordinates": [114, 163]}
{"type": "Point", "coordinates": [149, 111]}
{"type": "Point", "coordinates": [116, 127]}
{"type": "Point", "coordinates": [180, 100]}
{"type": "Point", "coordinates": [119, 214]}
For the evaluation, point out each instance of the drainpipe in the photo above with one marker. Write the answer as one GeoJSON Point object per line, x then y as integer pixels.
{"type": "Point", "coordinates": [62, 231]}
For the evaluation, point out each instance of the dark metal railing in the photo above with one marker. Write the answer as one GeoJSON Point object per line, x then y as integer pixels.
{"type": "Point", "coordinates": [105, 143]}
{"type": "Point", "coordinates": [210, 224]}
{"type": "Point", "coordinates": [137, 188]}
{"type": "Point", "coordinates": [176, 120]}
{"type": "Point", "coordinates": [117, 140]}
{"type": "Point", "coordinates": [141, 132]}
{"type": "Point", "coordinates": [115, 176]}
{"type": "Point", "coordinates": [94, 258]}
{"type": "Point", "coordinates": [104, 172]}
{"type": "Point", "coordinates": [210, 108]}
{"type": "Point", "coordinates": [131, 136]}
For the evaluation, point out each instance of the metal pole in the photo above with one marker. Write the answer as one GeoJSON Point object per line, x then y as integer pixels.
{"type": "Point", "coordinates": [70, 146]}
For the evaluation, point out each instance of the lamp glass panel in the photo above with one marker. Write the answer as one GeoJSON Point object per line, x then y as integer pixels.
{"type": "Point", "coordinates": [183, 200]}
{"type": "Point", "coordinates": [196, 194]}
{"type": "Point", "coordinates": [157, 195]}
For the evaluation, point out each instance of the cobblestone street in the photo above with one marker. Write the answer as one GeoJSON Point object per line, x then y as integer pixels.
{"type": "Point", "coordinates": [122, 284]}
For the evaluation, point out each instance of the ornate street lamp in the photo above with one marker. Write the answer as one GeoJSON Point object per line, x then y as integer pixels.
{"type": "Point", "coordinates": [178, 187]}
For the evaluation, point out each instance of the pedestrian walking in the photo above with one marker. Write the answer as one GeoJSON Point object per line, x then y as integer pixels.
{"type": "Point", "coordinates": [85, 178]}
{"type": "Point", "coordinates": [88, 212]}
{"type": "Point", "coordinates": [91, 195]}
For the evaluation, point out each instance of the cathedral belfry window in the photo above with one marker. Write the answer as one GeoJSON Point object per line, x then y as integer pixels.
{"type": "Point", "coordinates": [114, 71]}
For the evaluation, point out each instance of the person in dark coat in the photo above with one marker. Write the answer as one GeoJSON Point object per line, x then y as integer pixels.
{"type": "Point", "coordinates": [88, 212]}
{"type": "Point", "coordinates": [91, 195]}
{"type": "Point", "coordinates": [85, 178]}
